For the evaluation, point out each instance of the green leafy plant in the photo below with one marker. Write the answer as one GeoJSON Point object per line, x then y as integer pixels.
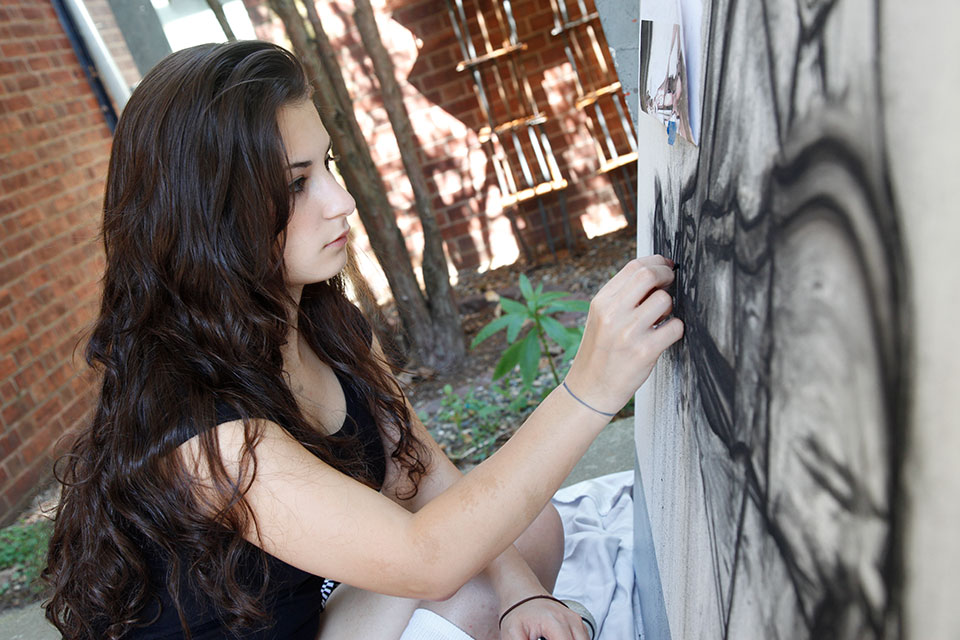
{"type": "Point", "coordinates": [536, 312]}
{"type": "Point", "coordinates": [476, 420]}
{"type": "Point", "coordinates": [469, 425]}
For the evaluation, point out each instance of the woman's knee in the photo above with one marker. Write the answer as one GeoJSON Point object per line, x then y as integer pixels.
{"type": "Point", "coordinates": [541, 545]}
{"type": "Point", "coordinates": [355, 613]}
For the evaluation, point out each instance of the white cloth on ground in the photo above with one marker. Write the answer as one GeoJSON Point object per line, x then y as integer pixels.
{"type": "Point", "coordinates": [427, 625]}
{"type": "Point", "coordinates": [598, 568]}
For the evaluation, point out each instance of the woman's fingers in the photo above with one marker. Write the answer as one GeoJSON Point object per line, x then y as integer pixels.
{"type": "Point", "coordinates": [638, 281]}
{"type": "Point", "coordinates": [655, 308]}
{"type": "Point", "coordinates": [627, 329]}
{"type": "Point", "coordinates": [647, 280]}
{"type": "Point", "coordinates": [580, 631]}
{"type": "Point", "coordinates": [570, 628]}
{"type": "Point", "coordinates": [666, 334]}
{"type": "Point", "coordinates": [544, 619]}
{"type": "Point", "coordinates": [655, 260]}
{"type": "Point", "coordinates": [625, 281]}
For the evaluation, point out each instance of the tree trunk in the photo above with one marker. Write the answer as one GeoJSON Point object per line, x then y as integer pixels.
{"type": "Point", "coordinates": [365, 185]}
{"type": "Point", "coordinates": [217, 9]}
{"type": "Point", "coordinates": [448, 333]}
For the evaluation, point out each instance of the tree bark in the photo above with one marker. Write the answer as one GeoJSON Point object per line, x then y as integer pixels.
{"type": "Point", "coordinates": [217, 9]}
{"type": "Point", "coordinates": [364, 183]}
{"type": "Point", "coordinates": [448, 332]}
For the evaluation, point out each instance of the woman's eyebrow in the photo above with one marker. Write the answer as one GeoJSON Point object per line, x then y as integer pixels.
{"type": "Point", "coordinates": [306, 163]}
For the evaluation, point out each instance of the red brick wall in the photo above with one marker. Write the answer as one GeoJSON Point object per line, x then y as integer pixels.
{"type": "Point", "coordinates": [54, 147]}
{"type": "Point", "coordinates": [447, 119]}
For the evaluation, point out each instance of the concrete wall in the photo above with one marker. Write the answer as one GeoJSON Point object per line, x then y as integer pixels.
{"type": "Point", "coordinates": [797, 449]}
{"type": "Point", "coordinates": [621, 21]}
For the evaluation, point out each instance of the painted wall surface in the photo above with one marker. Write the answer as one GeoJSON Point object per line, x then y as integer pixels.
{"type": "Point", "coordinates": [798, 449]}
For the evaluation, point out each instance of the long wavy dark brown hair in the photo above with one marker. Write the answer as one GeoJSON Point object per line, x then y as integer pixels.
{"type": "Point", "coordinates": [194, 311]}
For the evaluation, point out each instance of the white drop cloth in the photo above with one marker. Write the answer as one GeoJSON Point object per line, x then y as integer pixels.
{"type": "Point", "coordinates": [598, 553]}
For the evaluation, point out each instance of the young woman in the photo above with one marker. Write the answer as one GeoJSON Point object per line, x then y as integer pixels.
{"type": "Point", "coordinates": [249, 437]}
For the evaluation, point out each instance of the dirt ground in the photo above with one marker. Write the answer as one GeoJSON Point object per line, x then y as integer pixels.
{"type": "Point", "coordinates": [580, 276]}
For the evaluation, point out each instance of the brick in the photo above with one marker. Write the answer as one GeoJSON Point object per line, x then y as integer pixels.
{"type": "Point", "coordinates": [15, 49]}
{"type": "Point", "coordinates": [11, 247]}
{"type": "Point", "coordinates": [9, 443]}
{"type": "Point", "coordinates": [76, 411]}
{"type": "Point", "coordinates": [15, 411]}
{"type": "Point", "coordinates": [27, 82]}
{"type": "Point", "coordinates": [21, 220]}
{"type": "Point", "coordinates": [28, 376]}
{"type": "Point", "coordinates": [24, 486]}
{"type": "Point", "coordinates": [14, 269]}
{"type": "Point", "coordinates": [37, 13]}
{"type": "Point", "coordinates": [7, 366]}
{"type": "Point", "coordinates": [12, 339]}
{"type": "Point", "coordinates": [8, 392]}
{"type": "Point", "coordinates": [42, 417]}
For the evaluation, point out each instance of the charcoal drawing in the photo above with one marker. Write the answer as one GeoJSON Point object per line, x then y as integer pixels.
{"type": "Point", "coordinates": [793, 291]}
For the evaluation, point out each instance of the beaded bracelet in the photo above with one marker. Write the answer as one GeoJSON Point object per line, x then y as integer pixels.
{"type": "Point", "coordinates": [517, 604]}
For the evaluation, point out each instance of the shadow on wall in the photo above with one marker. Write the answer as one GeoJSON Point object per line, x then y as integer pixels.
{"type": "Point", "coordinates": [453, 156]}
{"type": "Point", "coordinates": [793, 288]}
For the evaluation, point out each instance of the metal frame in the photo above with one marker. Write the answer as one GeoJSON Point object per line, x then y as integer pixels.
{"type": "Point", "coordinates": [529, 178]}
{"type": "Point", "coordinates": [611, 159]}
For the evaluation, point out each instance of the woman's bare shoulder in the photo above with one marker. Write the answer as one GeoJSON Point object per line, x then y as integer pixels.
{"type": "Point", "coordinates": [311, 515]}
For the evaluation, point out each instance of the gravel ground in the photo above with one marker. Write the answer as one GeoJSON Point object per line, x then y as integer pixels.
{"type": "Point", "coordinates": [474, 415]}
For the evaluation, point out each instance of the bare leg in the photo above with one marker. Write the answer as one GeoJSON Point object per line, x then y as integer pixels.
{"type": "Point", "coordinates": [475, 607]}
{"type": "Point", "coordinates": [354, 613]}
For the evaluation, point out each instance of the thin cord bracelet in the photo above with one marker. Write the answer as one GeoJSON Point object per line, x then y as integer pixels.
{"type": "Point", "coordinates": [603, 413]}
{"type": "Point", "coordinates": [525, 600]}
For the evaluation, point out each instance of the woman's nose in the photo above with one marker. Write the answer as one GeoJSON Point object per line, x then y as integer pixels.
{"type": "Point", "coordinates": [342, 204]}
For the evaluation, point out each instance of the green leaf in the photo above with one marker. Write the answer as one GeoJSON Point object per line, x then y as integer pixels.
{"type": "Point", "coordinates": [550, 296]}
{"type": "Point", "coordinates": [539, 290]}
{"type": "Point", "coordinates": [513, 329]}
{"type": "Point", "coordinates": [525, 287]}
{"type": "Point", "coordinates": [508, 360]}
{"type": "Point", "coordinates": [576, 334]}
{"type": "Point", "coordinates": [557, 332]}
{"type": "Point", "coordinates": [512, 306]}
{"type": "Point", "coordinates": [496, 325]}
{"type": "Point", "coordinates": [529, 358]}
{"type": "Point", "coordinates": [568, 305]}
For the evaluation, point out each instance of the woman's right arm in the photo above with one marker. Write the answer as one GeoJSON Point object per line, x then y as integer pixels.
{"type": "Point", "coordinates": [316, 518]}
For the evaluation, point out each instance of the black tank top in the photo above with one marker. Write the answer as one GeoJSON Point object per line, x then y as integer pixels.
{"type": "Point", "coordinates": [295, 598]}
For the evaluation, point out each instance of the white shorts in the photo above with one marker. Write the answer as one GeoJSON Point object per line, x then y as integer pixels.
{"type": "Point", "coordinates": [427, 625]}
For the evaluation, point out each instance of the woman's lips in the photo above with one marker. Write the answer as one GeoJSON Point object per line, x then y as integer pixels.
{"type": "Point", "coordinates": [340, 241]}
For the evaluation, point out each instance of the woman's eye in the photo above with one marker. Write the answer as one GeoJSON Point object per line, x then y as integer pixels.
{"type": "Point", "coordinates": [330, 159]}
{"type": "Point", "coordinates": [297, 185]}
